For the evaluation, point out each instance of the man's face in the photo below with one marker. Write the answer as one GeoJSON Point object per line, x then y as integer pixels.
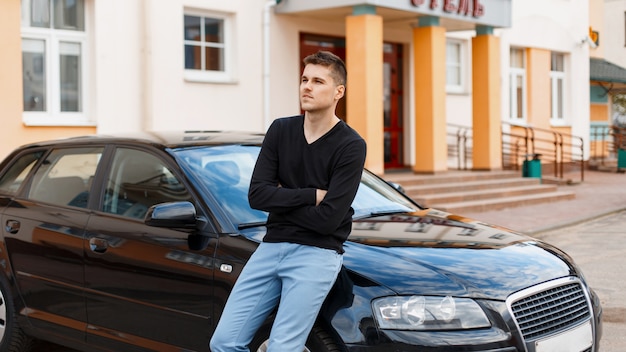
{"type": "Point", "coordinates": [318, 89]}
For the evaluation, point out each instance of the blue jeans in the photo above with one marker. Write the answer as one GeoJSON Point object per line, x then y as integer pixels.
{"type": "Point", "coordinates": [295, 277]}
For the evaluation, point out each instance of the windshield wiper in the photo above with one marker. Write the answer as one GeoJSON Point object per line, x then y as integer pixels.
{"type": "Point", "coordinates": [249, 225]}
{"type": "Point", "coordinates": [382, 213]}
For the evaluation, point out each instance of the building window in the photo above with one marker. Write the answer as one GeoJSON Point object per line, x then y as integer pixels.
{"type": "Point", "coordinates": [455, 71]}
{"type": "Point", "coordinates": [517, 83]}
{"type": "Point", "coordinates": [557, 78]}
{"type": "Point", "coordinates": [206, 47]}
{"type": "Point", "coordinates": [54, 38]}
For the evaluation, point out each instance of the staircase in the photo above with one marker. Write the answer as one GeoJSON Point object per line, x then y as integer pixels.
{"type": "Point", "coordinates": [476, 191]}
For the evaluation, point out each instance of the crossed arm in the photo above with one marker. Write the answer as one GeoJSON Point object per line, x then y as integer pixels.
{"type": "Point", "coordinates": [316, 209]}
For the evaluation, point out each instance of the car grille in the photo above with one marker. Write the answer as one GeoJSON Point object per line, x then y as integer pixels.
{"type": "Point", "coordinates": [551, 310]}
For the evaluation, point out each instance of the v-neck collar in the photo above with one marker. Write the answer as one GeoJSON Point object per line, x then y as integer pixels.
{"type": "Point", "coordinates": [335, 127]}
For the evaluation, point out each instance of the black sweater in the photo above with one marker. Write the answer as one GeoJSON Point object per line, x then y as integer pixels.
{"type": "Point", "coordinates": [288, 172]}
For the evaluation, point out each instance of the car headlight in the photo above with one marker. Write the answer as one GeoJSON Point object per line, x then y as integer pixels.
{"type": "Point", "coordinates": [428, 313]}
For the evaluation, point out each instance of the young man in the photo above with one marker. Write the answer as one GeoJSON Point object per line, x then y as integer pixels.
{"type": "Point", "coordinates": [306, 177]}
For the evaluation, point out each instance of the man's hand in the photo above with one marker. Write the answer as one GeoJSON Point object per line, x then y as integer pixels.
{"type": "Point", "coordinates": [319, 196]}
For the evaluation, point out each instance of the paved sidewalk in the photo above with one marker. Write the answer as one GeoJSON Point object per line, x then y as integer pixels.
{"type": "Point", "coordinates": [601, 193]}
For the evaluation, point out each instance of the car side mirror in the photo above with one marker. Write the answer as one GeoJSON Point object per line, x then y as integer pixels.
{"type": "Point", "coordinates": [172, 215]}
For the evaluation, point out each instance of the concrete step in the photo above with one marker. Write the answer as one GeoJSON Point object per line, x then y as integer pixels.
{"type": "Point", "coordinates": [471, 191]}
{"type": "Point", "coordinates": [491, 193]}
{"type": "Point", "coordinates": [407, 179]}
{"type": "Point", "coordinates": [502, 203]}
{"type": "Point", "coordinates": [483, 184]}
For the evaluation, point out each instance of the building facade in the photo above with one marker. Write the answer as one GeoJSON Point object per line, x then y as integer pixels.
{"type": "Point", "coordinates": [415, 67]}
{"type": "Point", "coordinates": [608, 78]}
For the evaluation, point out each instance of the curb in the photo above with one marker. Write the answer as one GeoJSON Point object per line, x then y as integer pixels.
{"type": "Point", "coordinates": [538, 231]}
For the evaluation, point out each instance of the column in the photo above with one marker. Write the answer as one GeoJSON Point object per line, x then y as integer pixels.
{"type": "Point", "coordinates": [11, 91]}
{"type": "Point", "coordinates": [429, 52]}
{"type": "Point", "coordinates": [486, 100]}
{"type": "Point", "coordinates": [539, 88]}
{"type": "Point", "coordinates": [364, 90]}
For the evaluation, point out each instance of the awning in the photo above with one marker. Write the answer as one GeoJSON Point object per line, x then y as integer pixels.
{"type": "Point", "coordinates": [609, 76]}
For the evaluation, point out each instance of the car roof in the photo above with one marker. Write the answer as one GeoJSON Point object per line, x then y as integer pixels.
{"type": "Point", "coordinates": [167, 139]}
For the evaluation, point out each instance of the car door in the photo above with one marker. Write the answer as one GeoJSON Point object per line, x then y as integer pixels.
{"type": "Point", "coordinates": [43, 234]}
{"type": "Point", "coordinates": [144, 285]}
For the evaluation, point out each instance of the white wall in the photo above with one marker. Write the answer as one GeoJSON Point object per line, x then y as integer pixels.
{"type": "Point", "coordinates": [117, 68]}
{"type": "Point", "coordinates": [139, 68]}
{"type": "Point", "coordinates": [612, 33]}
{"type": "Point", "coordinates": [557, 26]}
{"type": "Point", "coordinates": [177, 103]}
{"type": "Point", "coordinates": [139, 72]}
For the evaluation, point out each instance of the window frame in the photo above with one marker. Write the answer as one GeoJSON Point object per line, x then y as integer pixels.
{"type": "Point", "coordinates": [44, 173]}
{"type": "Point", "coordinates": [17, 175]}
{"type": "Point", "coordinates": [516, 73]}
{"type": "Point", "coordinates": [462, 85]}
{"type": "Point", "coordinates": [52, 38]}
{"type": "Point", "coordinates": [120, 160]}
{"type": "Point", "coordinates": [227, 75]}
{"type": "Point", "coordinates": [555, 78]}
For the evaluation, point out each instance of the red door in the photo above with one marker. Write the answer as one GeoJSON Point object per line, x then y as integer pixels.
{"type": "Point", "coordinates": [392, 91]}
{"type": "Point", "coordinates": [392, 80]}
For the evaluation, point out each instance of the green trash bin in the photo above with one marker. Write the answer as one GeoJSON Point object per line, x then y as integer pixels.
{"type": "Point", "coordinates": [532, 167]}
{"type": "Point", "coordinates": [621, 158]}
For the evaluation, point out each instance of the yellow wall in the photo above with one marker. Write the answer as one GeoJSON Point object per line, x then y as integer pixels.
{"type": "Point", "coordinates": [429, 45]}
{"type": "Point", "coordinates": [538, 70]}
{"type": "Point", "coordinates": [486, 88]}
{"type": "Point", "coordinates": [599, 112]}
{"type": "Point", "coordinates": [10, 75]}
{"type": "Point", "coordinates": [13, 133]}
{"type": "Point", "coordinates": [364, 62]}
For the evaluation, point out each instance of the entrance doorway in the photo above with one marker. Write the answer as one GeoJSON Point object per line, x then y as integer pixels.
{"type": "Point", "coordinates": [392, 89]}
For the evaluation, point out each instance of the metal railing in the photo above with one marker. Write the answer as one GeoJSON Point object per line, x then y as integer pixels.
{"type": "Point", "coordinates": [459, 144]}
{"type": "Point", "coordinates": [605, 142]}
{"type": "Point", "coordinates": [559, 152]}
{"type": "Point", "coordinates": [601, 145]}
{"type": "Point", "coordinates": [619, 137]}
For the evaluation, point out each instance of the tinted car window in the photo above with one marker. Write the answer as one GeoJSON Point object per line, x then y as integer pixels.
{"type": "Point", "coordinates": [136, 181]}
{"type": "Point", "coordinates": [225, 171]}
{"type": "Point", "coordinates": [15, 175]}
{"type": "Point", "coordinates": [65, 176]}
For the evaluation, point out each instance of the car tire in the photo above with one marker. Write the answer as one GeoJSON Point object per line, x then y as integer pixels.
{"type": "Point", "coordinates": [319, 341]}
{"type": "Point", "coordinates": [12, 338]}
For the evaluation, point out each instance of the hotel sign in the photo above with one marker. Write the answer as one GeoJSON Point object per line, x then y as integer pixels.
{"type": "Point", "coordinates": [494, 13]}
{"type": "Point", "coordinates": [462, 7]}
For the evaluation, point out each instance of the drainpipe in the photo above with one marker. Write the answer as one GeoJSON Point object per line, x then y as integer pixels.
{"type": "Point", "coordinates": [267, 120]}
{"type": "Point", "coordinates": [147, 120]}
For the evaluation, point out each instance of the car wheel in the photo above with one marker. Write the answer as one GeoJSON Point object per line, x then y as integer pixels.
{"type": "Point", "coordinates": [12, 338]}
{"type": "Point", "coordinates": [319, 341]}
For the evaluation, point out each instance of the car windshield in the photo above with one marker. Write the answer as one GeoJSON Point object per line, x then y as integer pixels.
{"type": "Point", "coordinates": [225, 172]}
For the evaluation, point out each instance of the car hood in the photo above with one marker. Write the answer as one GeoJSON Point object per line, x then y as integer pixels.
{"type": "Point", "coordinates": [436, 253]}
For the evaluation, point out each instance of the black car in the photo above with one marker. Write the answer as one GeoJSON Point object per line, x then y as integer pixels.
{"type": "Point", "coordinates": [134, 243]}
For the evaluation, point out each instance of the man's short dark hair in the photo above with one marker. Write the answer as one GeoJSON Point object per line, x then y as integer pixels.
{"type": "Point", "coordinates": [332, 61]}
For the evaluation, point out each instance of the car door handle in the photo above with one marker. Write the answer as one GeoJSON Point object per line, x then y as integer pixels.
{"type": "Point", "coordinates": [12, 226]}
{"type": "Point", "coordinates": [98, 245]}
